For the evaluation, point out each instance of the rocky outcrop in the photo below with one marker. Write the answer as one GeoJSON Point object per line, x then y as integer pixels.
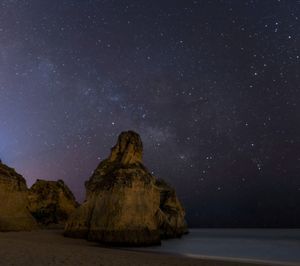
{"type": "Point", "coordinates": [14, 214]}
{"type": "Point", "coordinates": [51, 202]}
{"type": "Point", "coordinates": [125, 204]}
{"type": "Point", "coordinates": [171, 215]}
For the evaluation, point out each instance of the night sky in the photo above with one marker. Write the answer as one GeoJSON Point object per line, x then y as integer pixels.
{"type": "Point", "coordinates": [213, 87]}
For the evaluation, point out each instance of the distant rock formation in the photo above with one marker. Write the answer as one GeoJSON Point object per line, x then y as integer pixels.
{"type": "Point", "coordinates": [14, 215]}
{"type": "Point", "coordinates": [125, 204]}
{"type": "Point", "coordinates": [51, 202]}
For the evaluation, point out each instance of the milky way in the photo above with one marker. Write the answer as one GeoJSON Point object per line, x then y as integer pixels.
{"type": "Point", "coordinates": [213, 88]}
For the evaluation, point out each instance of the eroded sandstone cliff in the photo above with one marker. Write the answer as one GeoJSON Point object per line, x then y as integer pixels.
{"type": "Point", "coordinates": [51, 202]}
{"type": "Point", "coordinates": [14, 214]}
{"type": "Point", "coordinates": [125, 204]}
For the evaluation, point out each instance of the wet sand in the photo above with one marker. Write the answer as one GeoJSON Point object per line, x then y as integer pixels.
{"type": "Point", "coordinates": [50, 247]}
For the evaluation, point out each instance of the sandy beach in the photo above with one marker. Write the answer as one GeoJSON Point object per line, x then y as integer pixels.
{"type": "Point", "coordinates": [50, 247]}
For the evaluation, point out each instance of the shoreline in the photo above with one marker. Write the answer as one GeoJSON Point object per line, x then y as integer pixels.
{"type": "Point", "coordinates": [216, 259]}
{"type": "Point", "coordinates": [50, 247]}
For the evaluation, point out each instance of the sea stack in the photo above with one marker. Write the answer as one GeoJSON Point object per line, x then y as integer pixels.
{"type": "Point", "coordinates": [51, 202]}
{"type": "Point", "coordinates": [125, 204]}
{"type": "Point", "coordinates": [14, 214]}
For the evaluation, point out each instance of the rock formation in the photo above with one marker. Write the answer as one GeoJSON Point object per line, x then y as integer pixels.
{"type": "Point", "coordinates": [51, 202]}
{"type": "Point", "coordinates": [171, 215]}
{"type": "Point", "coordinates": [14, 215]}
{"type": "Point", "coordinates": [125, 204]}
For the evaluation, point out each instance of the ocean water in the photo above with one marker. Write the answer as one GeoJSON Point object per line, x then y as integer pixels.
{"type": "Point", "coordinates": [274, 246]}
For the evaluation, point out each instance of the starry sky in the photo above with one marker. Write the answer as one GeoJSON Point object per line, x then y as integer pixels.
{"type": "Point", "coordinates": [212, 87]}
